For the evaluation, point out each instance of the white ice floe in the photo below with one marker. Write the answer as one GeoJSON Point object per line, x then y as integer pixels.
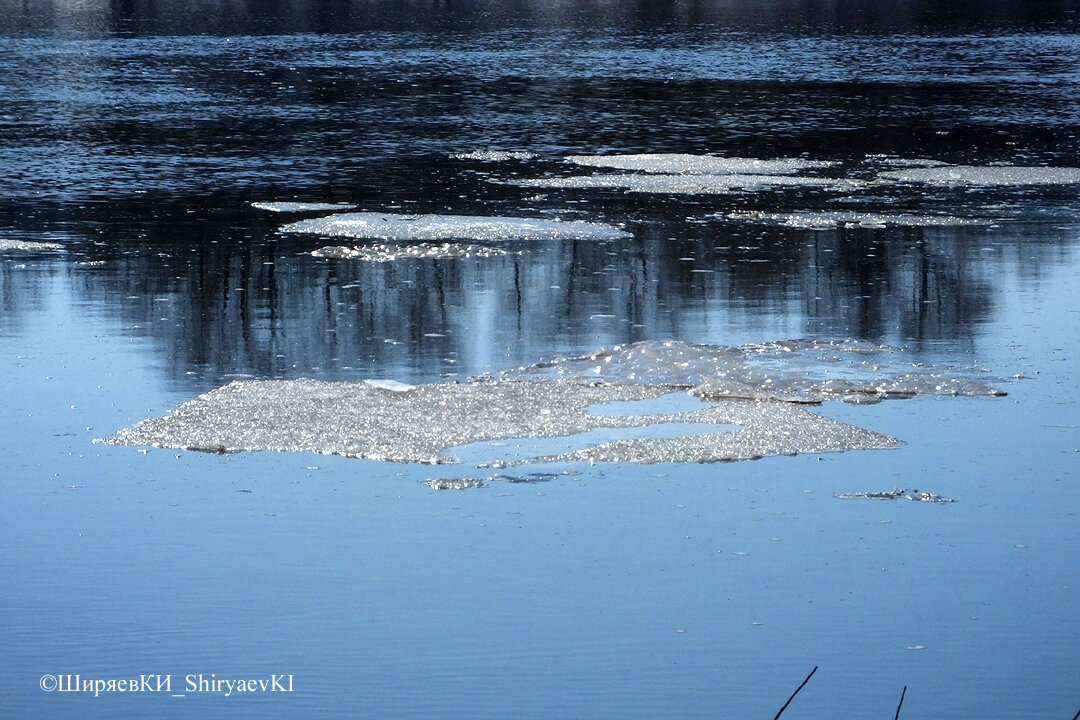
{"type": "Point", "coordinates": [387, 226]}
{"type": "Point", "coordinates": [294, 207]}
{"type": "Point", "coordinates": [384, 252]}
{"type": "Point", "coordinates": [795, 371]}
{"type": "Point", "coordinates": [627, 404]}
{"type": "Point", "coordinates": [420, 425]}
{"type": "Point", "coordinates": [679, 163]}
{"type": "Point", "coordinates": [986, 176]}
{"type": "Point", "coordinates": [494, 155]}
{"type": "Point", "coordinates": [826, 220]}
{"type": "Point", "coordinates": [29, 246]}
{"type": "Point", "coordinates": [691, 184]}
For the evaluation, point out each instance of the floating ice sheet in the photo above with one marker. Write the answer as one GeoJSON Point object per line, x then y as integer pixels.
{"type": "Point", "coordinates": [294, 207]}
{"type": "Point", "coordinates": [690, 184]}
{"type": "Point", "coordinates": [385, 226]}
{"type": "Point", "coordinates": [684, 164]}
{"type": "Point", "coordinates": [794, 371]}
{"type": "Point", "coordinates": [896, 494]}
{"type": "Point", "coordinates": [494, 155]}
{"type": "Point", "coordinates": [419, 425]}
{"type": "Point", "coordinates": [29, 246]}
{"type": "Point", "coordinates": [824, 220]}
{"type": "Point", "coordinates": [385, 252]}
{"type": "Point", "coordinates": [988, 176]}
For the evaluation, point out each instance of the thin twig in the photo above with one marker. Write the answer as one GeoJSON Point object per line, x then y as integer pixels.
{"type": "Point", "coordinates": [797, 692]}
{"type": "Point", "coordinates": [1077, 715]}
{"type": "Point", "coordinates": [902, 693]}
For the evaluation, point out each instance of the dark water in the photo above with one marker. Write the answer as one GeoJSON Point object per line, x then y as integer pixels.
{"type": "Point", "coordinates": [136, 136]}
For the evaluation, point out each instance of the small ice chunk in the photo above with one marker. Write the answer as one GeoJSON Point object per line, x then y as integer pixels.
{"type": "Point", "coordinates": [294, 207]}
{"type": "Point", "coordinates": [386, 252]}
{"type": "Point", "coordinates": [29, 246]}
{"type": "Point", "coordinates": [391, 385]}
{"type": "Point", "coordinates": [455, 483]}
{"type": "Point", "coordinates": [387, 226]}
{"type": "Point", "coordinates": [685, 164]}
{"type": "Point", "coordinates": [986, 176]}
{"type": "Point", "coordinates": [896, 494]}
{"type": "Point", "coordinates": [898, 162]}
{"type": "Point", "coordinates": [493, 155]}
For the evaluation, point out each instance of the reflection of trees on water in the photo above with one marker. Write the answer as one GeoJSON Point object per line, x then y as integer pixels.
{"type": "Point", "coordinates": [270, 309]}
{"type": "Point", "coordinates": [338, 15]}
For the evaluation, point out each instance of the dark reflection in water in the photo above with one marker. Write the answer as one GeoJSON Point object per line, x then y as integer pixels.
{"type": "Point", "coordinates": [139, 133]}
{"type": "Point", "coordinates": [273, 16]}
{"type": "Point", "coordinates": [220, 300]}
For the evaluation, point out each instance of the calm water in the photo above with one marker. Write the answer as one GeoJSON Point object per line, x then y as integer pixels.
{"type": "Point", "coordinates": [136, 140]}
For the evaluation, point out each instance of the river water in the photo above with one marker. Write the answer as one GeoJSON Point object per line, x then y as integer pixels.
{"type": "Point", "coordinates": [895, 215]}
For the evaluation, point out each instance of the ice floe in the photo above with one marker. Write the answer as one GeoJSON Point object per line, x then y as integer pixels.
{"type": "Point", "coordinates": [384, 252]}
{"type": "Point", "coordinates": [684, 164]}
{"type": "Point", "coordinates": [646, 402]}
{"type": "Point", "coordinates": [830, 220]}
{"type": "Point", "coordinates": [794, 371]}
{"type": "Point", "coordinates": [899, 162]}
{"type": "Point", "coordinates": [29, 246]}
{"type": "Point", "coordinates": [494, 155]}
{"type": "Point", "coordinates": [690, 184]}
{"type": "Point", "coordinates": [296, 207]}
{"type": "Point", "coordinates": [987, 176]}
{"type": "Point", "coordinates": [358, 419]}
{"type": "Point", "coordinates": [896, 494]}
{"type": "Point", "coordinates": [388, 226]}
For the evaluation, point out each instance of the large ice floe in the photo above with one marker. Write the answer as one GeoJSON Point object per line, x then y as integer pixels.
{"type": "Point", "coordinates": [422, 425]}
{"type": "Point", "coordinates": [396, 227]}
{"type": "Point", "coordinates": [831, 220]}
{"type": "Point", "coordinates": [986, 176]}
{"type": "Point", "coordinates": [626, 404]}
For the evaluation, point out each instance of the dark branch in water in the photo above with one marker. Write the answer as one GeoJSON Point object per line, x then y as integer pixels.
{"type": "Point", "coordinates": [796, 692]}
{"type": "Point", "coordinates": [902, 693]}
